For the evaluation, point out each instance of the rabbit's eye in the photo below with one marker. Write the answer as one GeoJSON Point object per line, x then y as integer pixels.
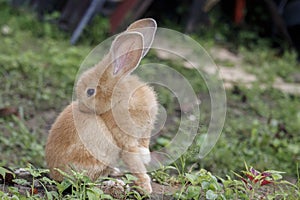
{"type": "Point", "coordinates": [90, 92]}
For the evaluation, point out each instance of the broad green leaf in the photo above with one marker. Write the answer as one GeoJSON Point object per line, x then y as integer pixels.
{"type": "Point", "coordinates": [211, 195]}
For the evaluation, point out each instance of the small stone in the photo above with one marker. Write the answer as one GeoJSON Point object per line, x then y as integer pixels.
{"type": "Point", "coordinates": [116, 188]}
{"type": "Point", "coordinates": [6, 30]}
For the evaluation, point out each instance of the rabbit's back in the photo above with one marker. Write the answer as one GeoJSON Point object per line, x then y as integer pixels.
{"type": "Point", "coordinates": [79, 141]}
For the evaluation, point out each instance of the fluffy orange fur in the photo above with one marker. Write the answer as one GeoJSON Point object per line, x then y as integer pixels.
{"type": "Point", "coordinates": [96, 130]}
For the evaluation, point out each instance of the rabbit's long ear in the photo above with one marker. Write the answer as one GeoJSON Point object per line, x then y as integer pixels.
{"type": "Point", "coordinates": [147, 27]}
{"type": "Point", "coordinates": [126, 51]}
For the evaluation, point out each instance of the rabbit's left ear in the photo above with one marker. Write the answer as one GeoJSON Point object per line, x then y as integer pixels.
{"type": "Point", "coordinates": [147, 27]}
{"type": "Point", "coordinates": [126, 52]}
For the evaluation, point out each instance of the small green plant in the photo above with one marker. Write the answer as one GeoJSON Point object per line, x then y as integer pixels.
{"type": "Point", "coordinates": [39, 175]}
{"type": "Point", "coordinates": [200, 184]}
{"type": "Point", "coordinates": [162, 175]}
{"type": "Point", "coordinates": [30, 188]}
{"type": "Point", "coordinates": [81, 187]}
{"type": "Point", "coordinates": [254, 183]}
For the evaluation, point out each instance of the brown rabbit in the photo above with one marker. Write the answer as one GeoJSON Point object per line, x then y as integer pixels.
{"type": "Point", "coordinates": [113, 115]}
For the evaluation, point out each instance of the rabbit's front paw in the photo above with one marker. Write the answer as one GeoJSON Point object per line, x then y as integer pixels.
{"type": "Point", "coordinates": [145, 155]}
{"type": "Point", "coordinates": [145, 183]}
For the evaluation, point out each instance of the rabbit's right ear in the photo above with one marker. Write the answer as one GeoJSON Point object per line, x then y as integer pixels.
{"type": "Point", "coordinates": [147, 27]}
{"type": "Point", "coordinates": [126, 52]}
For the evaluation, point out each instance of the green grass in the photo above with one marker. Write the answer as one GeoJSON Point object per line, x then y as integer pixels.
{"type": "Point", "coordinates": [38, 67]}
{"type": "Point", "coordinates": [37, 72]}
